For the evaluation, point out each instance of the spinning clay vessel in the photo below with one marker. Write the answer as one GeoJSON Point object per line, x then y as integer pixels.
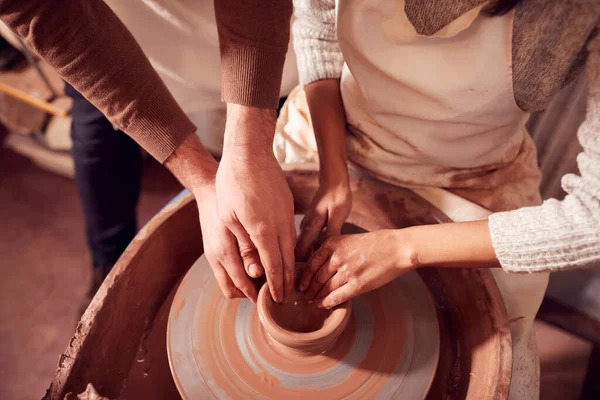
{"type": "Point", "coordinates": [299, 326]}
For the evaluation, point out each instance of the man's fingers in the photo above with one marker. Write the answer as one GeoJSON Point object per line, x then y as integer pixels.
{"type": "Point", "coordinates": [311, 227]}
{"type": "Point", "coordinates": [249, 255]}
{"type": "Point", "coordinates": [267, 245]}
{"type": "Point", "coordinates": [251, 261]}
{"type": "Point", "coordinates": [227, 287]}
{"type": "Point", "coordinates": [337, 297]}
{"type": "Point", "coordinates": [234, 267]}
{"type": "Point", "coordinates": [286, 246]}
{"type": "Point", "coordinates": [247, 249]}
{"type": "Point", "coordinates": [312, 266]}
{"type": "Point", "coordinates": [321, 277]}
{"type": "Point", "coordinates": [269, 259]}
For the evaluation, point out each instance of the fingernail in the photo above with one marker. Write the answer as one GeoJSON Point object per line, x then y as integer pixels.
{"type": "Point", "coordinates": [275, 298]}
{"type": "Point", "coordinates": [253, 270]}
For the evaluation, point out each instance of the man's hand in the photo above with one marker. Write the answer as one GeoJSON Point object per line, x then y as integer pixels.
{"type": "Point", "coordinates": [196, 169]}
{"type": "Point", "coordinates": [254, 200]}
{"type": "Point", "coordinates": [221, 249]}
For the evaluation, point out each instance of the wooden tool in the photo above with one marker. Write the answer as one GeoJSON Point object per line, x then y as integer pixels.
{"type": "Point", "coordinates": [33, 101]}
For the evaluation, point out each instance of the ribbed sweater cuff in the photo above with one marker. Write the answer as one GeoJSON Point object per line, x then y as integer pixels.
{"type": "Point", "coordinates": [554, 236]}
{"type": "Point", "coordinates": [160, 131]}
{"type": "Point", "coordinates": [318, 63]}
{"type": "Point", "coordinates": [251, 77]}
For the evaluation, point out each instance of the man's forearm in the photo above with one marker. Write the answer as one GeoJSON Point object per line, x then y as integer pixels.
{"type": "Point", "coordinates": [249, 129]}
{"type": "Point", "coordinates": [193, 165]}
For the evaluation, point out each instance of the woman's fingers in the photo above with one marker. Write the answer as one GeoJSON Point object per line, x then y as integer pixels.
{"type": "Point", "coordinates": [312, 266]}
{"type": "Point", "coordinates": [335, 221]}
{"type": "Point", "coordinates": [320, 279]}
{"type": "Point", "coordinates": [338, 296]}
{"type": "Point", "coordinates": [339, 279]}
{"type": "Point", "coordinates": [310, 229]}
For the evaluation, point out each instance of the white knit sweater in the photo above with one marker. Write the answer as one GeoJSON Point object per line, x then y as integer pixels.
{"type": "Point", "coordinates": [553, 236]}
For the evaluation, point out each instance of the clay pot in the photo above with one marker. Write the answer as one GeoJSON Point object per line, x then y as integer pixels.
{"type": "Point", "coordinates": [299, 326]}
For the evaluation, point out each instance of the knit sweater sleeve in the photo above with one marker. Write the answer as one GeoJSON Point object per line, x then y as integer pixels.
{"type": "Point", "coordinates": [560, 235]}
{"type": "Point", "coordinates": [253, 38]}
{"type": "Point", "coordinates": [93, 51]}
{"type": "Point", "coordinates": [315, 41]}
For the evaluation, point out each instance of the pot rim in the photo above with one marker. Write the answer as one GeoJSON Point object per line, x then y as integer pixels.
{"type": "Point", "coordinates": [333, 325]}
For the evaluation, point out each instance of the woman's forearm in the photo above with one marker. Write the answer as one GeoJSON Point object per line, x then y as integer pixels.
{"type": "Point", "coordinates": [453, 245]}
{"type": "Point", "coordinates": [329, 124]}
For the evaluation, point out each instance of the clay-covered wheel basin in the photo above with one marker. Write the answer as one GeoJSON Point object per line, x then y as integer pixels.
{"type": "Point", "coordinates": [120, 343]}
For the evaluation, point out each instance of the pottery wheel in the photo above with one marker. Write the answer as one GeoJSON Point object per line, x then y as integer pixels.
{"type": "Point", "coordinates": [218, 349]}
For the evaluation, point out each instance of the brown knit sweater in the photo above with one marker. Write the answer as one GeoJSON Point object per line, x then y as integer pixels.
{"type": "Point", "coordinates": [93, 51]}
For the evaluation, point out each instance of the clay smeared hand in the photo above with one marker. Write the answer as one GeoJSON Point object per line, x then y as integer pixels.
{"type": "Point", "coordinates": [329, 209]}
{"type": "Point", "coordinates": [347, 266]}
{"type": "Point", "coordinates": [254, 199]}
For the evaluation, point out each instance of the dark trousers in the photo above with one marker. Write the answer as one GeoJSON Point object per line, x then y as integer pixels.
{"type": "Point", "coordinates": [107, 172]}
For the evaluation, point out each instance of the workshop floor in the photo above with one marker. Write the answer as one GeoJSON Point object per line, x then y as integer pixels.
{"type": "Point", "coordinates": [45, 269]}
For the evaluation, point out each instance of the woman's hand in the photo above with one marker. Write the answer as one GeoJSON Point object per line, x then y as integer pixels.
{"type": "Point", "coordinates": [328, 211]}
{"type": "Point", "coordinates": [348, 266]}
{"type": "Point", "coordinates": [333, 201]}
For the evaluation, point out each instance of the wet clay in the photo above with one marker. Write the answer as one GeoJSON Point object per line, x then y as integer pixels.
{"type": "Point", "coordinates": [299, 314]}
